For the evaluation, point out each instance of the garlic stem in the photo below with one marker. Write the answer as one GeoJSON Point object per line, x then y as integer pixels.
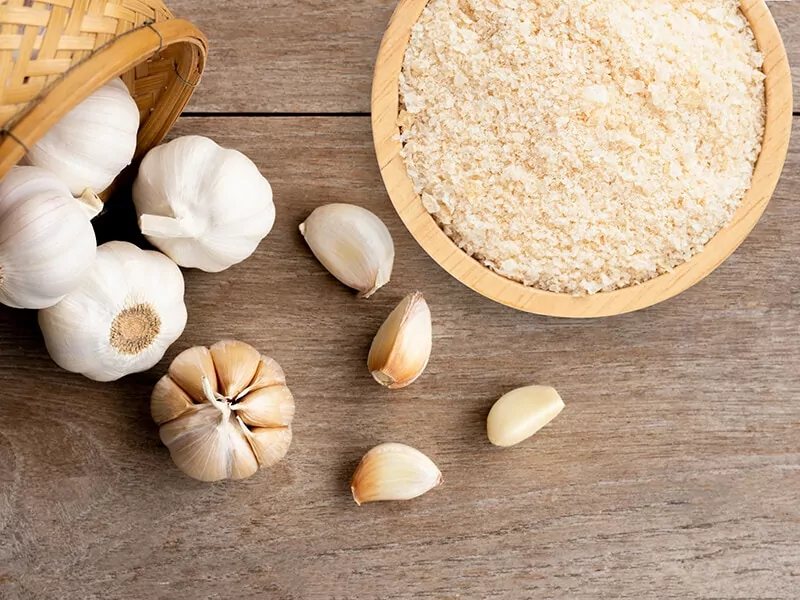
{"type": "Point", "coordinates": [164, 227]}
{"type": "Point", "coordinates": [90, 203]}
{"type": "Point", "coordinates": [208, 391]}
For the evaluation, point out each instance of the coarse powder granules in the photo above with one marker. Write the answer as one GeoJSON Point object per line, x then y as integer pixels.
{"type": "Point", "coordinates": [582, 146]}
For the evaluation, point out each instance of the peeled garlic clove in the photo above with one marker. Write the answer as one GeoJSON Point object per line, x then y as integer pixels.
{"type": "Point", "coordinates": [353, 244]}
{"type": "Point", "coordinates": [402, 347]}
{"type": "Point", "coordinates": [393, 472]}
{"type": "Point", "coordinates": [206, 444]}
{"type": "Point", "coordinates": [269, 445]}
{"type": "Point", "coordinates": [189, 368]}
{"type": "Point", "coordinates": [236, 364]}
{"type": "Point", "coordinates": [168, 401]}
{"type": "Point", "coordinates": [521, 413]}
{"type": "Point", "coordinates": [266, 407]}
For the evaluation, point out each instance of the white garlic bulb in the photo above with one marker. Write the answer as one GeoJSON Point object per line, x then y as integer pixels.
{"type": "Point", "coordinates": [223, 411]}
{"type": "Point", "coordinates": [202, 205]}
{"type": "Point", "coordinates": [121, 319]}
{"type": "Point", "coordinates": [47, 243]}
{"type": "Point", "coordinates": [93, 142]}
{"type": "Point", "coordinates": [353, 244]}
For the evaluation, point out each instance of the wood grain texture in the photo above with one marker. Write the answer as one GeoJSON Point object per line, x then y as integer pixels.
{"type": "Point", "coordinates": [673, 472]}
{"type": "Point", "coordinates": [472, 273]}
{"type": "Point", "coordinates": [318, 55]}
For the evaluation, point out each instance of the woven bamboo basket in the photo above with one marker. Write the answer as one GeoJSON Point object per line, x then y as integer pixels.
{"type": "Point", "coordinates": [55, 53]}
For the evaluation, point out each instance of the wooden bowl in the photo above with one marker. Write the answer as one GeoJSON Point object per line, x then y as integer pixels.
{"type": "Point", "coordinates": [56, 53]}
{"type": "Point", "coordinates": [385, 104]}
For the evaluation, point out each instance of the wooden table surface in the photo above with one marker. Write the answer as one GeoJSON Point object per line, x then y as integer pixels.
{"type": "Point", "coordinates": [674, 471]}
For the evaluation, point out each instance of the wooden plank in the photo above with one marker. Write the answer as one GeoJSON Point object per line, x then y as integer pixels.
{"type": "Point", "coordinates": [317, 55]}
{"type": "Point", "coordinates": [672, 473]}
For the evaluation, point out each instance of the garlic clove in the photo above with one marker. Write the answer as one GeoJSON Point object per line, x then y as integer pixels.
{"type": "Point", "coordinates": [266, 407]}
{"type": "Point", "coordinates": [208, 445]}
{"type": "Point", "coordinates": [236, 364]}
{"type": "Point", "coordinates": [393, 472]}
{"type": "Point", "coordinates": [353, 244]}
{"type": "Point", "coordinates": [402, 347]}
{"type": "Point", "coordinates": [168, 401]}
{"type": "Point", "coordinates": [205, 444]}
{"type": "Point", "coordinates": [269, 445]}
{"type": "Point", "coordinates": [521, 413]}
{"type": "Point", "coordinates": [189, 368]}
{"type": "Point", "coordinates": [269, 373]}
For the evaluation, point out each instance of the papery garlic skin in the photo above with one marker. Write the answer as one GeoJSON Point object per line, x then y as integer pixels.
{"type": "Point", "coordinates": [121, 319]}
{"type": "Point", "coordinates": [92, 143]}
{"type": "Point", "coordinates": [353, 244]}
{"type": "Point", "coordinates": [224, 412]}
{"type": "Point", "coordinates": [402, 347]}
{"type": "Point", "coordinates": [393, 472]}
{"type": "Point", "coordinates": [47, 244]}
{"type": "Point", "coordinates": [204, 206]}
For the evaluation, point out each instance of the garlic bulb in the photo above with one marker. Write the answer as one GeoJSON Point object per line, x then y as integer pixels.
{"type": "Point", "coordinates": [224, 411]}
{"type": "Point", "coordinates": [353, 244]}
{"type": "Point", "coordinates": [92, 143]}
{"type": "Point", "coordinates": [202, 205]}
{"type": "Point", "coordinates": [393, 472]}
{"type": "Point", "coordinates": [47, 243]}
{"type": "Point", "coordinates": [402, 347]}
{"type": "Point", "coordinates": [122, 317]}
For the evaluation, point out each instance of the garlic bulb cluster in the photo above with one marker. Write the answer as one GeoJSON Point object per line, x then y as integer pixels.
{"type": "Point", "coordinates": [393, 472]}
{"type": "Point", "coordinates": [402, 347]}
{"type": "Point", "coordinates": [47, 243]}
{"type": "Point", "coordinates": [92, 143]}
{"type": "Point", "coordinates": [224, 411]}
{"type": "Point", "coordinates": [122, 317]}
{"type": "Point", "coordinates": [202, 205]}
{"type": "Point", "coordinates": [353, 244]}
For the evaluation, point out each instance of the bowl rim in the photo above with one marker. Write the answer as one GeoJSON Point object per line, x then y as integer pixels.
{"type": "Point", "coordinates": [473, 274]}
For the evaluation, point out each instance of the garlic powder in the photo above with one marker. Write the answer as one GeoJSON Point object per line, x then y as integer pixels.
{"type": "Point", "coordinates": [582, 146]}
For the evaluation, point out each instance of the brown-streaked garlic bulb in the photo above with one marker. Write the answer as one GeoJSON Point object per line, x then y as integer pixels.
{"type": "Point", "coordinates": [224, 411]}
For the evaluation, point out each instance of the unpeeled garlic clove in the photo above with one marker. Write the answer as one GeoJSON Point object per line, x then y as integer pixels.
{"type": "Point", "coordinates": [393, 472]}
{"type": "Point", "coordinates": [207, 445]}
{"type": "Point", "coordinates": [236, 364]}
{"type": "Point", "coordinates": [521, 413]}
{"type": "Point", "coordinates": [402, 347]}
{"type": "Point", "coordinates": [267, 407]}
{"type": "Point", "coordinates": [269, 445]}
{"type": "Point", "coordinates": [353, 244]}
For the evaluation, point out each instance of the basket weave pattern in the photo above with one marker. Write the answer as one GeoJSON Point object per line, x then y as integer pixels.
{"type": "Point", "coordinates": [46, 46]}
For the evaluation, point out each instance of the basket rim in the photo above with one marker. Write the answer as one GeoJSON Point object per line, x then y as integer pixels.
{"type": "Point", "coordinates": [473, 274]}
{"type": "Point", "coordinates": [111, 60]}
